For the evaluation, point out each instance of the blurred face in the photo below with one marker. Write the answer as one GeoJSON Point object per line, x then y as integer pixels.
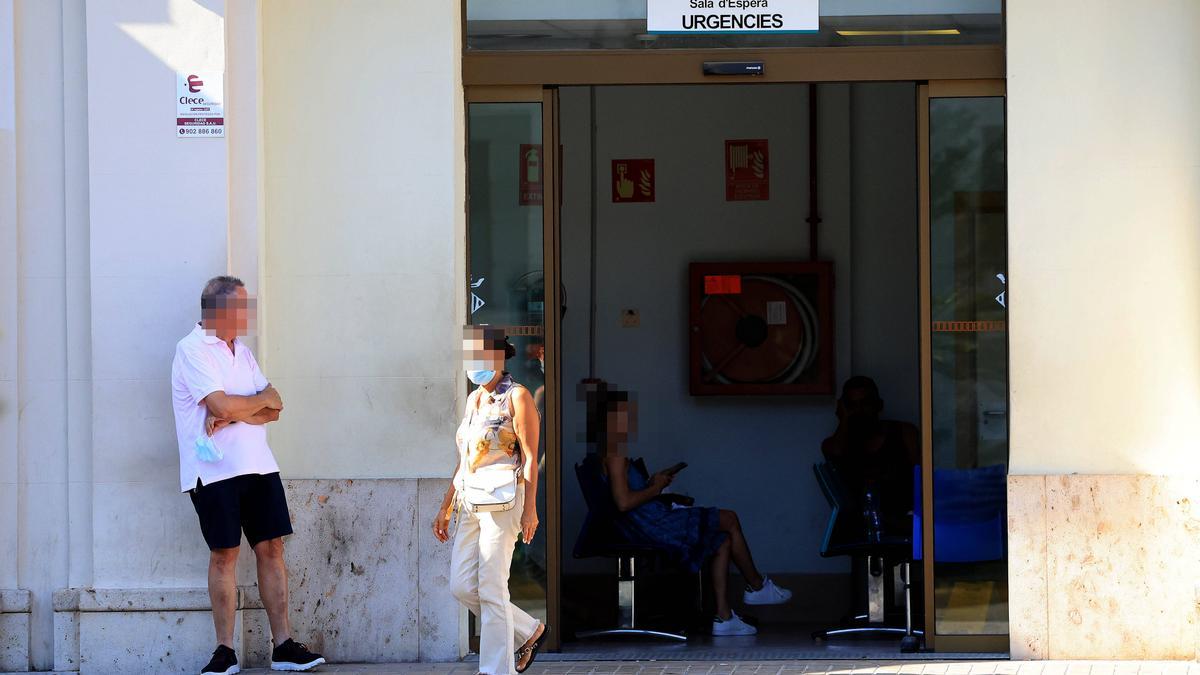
{"type": "Point", "coordinates": [233, 315]}
{"type": "Point", "coordinates": [861, 406]}
{"type": "Point", "coordinates": [622, 423]}
{"type": "Point", "coordinates": [537, 351]}
{"type": "Point", "coordinates": [482, 351]}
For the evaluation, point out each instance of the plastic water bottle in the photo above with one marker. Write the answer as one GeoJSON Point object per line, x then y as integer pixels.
{"type": "Point", "coordinates": [871, 516]}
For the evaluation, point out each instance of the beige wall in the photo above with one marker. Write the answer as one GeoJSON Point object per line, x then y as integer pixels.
{"type": "Point", "coordinates": [1104, 236]}
{"type": "Point", "coordinates": [1104, 262]}
{"type": "Point", "coordinates": [364, 201]}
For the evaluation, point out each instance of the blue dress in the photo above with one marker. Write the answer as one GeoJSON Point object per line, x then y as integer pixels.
{"type": "Point", "coordinates": [687, 535]}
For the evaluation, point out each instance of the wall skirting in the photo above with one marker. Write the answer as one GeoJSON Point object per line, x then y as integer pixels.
{"type": "Point", "coordinates": [124, 630]}
{"type": "Point", "coordinates": [1103, 567]}
{"type": "Point", "coordinates": [368, 583]}
{"type": "Point", "coordinates": [15, 615]}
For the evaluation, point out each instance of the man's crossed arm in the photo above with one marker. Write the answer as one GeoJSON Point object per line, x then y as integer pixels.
{"type": "Point", "coordinates": [224, 409]}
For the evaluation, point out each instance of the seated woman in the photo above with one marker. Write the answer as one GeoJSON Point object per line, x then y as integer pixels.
{"type": "Point", "coordinates": [690, 535]}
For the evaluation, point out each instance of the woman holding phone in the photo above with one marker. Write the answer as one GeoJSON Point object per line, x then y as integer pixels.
{"type": "Point", "coordinates": [498, 439]}
{"type": "Point", "coordinates": [690, 534]}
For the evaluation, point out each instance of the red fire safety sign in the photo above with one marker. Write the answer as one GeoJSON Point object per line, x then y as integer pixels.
{"type": "Point", "coordinates": [530, 173]}
{"type": "Point", "coordinates": [632, 180]}
{"type": "Point", "coordinates": [747, 171]}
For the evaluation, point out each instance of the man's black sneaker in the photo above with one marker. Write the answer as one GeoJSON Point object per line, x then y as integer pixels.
{"type": "Point", "coordinates": [224, 662]}
{"type": "Point", "coordinates": [292, 655]}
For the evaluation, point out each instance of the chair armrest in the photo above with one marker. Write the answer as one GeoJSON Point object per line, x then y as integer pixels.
{"type": "Point", "coordinates": [671, 498]}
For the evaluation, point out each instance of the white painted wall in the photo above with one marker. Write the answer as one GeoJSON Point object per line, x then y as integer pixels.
{"type": "Point", "coordinates": [9, 296]}
{"type": "Point", "coordinates": [41, 284]}
{"type": "Point", "coordinates": [1104, 237]}
{"type": "Point", "coordinates": [158, 212]}
{"type": "Point", "coordinates": [78, 300]}
{"type": "Point", "coordinates": [44, 330]}
{"type": "Point", "coordinates": [745, 454]}
{"type": "Point", "coordinates": [101, 203]}
{"type": "Point", "coordinates": [364, 202]}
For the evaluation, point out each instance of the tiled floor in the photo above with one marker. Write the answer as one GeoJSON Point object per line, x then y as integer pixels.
{"type": "Point", "coordinates": [792, 668]}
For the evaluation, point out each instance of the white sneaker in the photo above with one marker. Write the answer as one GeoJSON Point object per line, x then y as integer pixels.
{"type": "Point", "coordinates": [732, 626]}
{"type": "Point", "coordinates": [769, 594]}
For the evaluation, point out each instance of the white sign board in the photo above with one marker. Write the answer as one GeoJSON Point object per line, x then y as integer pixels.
{"type": "Point", "coordinates": [732, 16]}
{"type": "Point", "coordinates": [200, 107]}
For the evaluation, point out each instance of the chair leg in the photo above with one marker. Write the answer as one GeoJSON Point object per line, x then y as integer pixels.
{"type": "Point", "coordinates": [876, 598]}
{"type": "Point", "coordinates": [626, 593]}
{"type": "Point", "coordinates": [909, 643]}
{"type": "Point", "coordinates": [627, 607]}
{"type": "Point", "coordinates": [875, 616]}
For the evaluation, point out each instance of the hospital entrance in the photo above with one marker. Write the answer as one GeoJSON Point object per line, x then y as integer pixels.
{"type": "Point", "coordinates": [717, 262]}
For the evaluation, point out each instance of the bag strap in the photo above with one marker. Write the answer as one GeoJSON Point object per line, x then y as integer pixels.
{"type": "Point", "coordinates": [512, 415]}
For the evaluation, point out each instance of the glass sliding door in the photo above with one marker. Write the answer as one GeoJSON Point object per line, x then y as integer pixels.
{"type": "Point", "coordinates": [964, 366]}
{"type": "Point", "coordinates": [511, 236]}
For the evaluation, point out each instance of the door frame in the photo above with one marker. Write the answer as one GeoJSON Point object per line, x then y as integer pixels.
{"type": "Point", "coordinates": [496, 77]}
{"type": "Point", "coordinates": [925, 93]}
{"type": "Point", "coordinates": [781, 64]}
{"type": "Point", "coordinates": [552, 317]}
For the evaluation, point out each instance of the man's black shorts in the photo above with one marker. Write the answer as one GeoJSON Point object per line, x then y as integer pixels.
{"type": "Point", "coordinates": [253, 503]}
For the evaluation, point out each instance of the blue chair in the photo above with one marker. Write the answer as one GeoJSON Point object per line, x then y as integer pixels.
{"type": "Point", "coordinates": [846, 534]}
{"type": "Point", "coordinates": [971, 514]}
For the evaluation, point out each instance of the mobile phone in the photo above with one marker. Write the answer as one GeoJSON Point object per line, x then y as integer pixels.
{"type": "Point", "coordinates": [676, 468]}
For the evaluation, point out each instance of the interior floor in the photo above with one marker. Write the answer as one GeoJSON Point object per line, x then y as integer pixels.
{"type": "Point", "coordinates": [776, 641]}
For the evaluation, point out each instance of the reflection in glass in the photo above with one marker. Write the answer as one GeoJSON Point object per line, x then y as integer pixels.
{"type": "Point", "coordinates": [968, 246]}
{"type": "Point", "coordinates": [505, 265]}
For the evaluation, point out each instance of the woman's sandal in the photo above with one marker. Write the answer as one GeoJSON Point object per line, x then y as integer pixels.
{"type": "Point", "coordinates": [528, 653]}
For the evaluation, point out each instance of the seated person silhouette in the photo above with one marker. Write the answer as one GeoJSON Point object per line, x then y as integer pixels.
{"type": "Point", "coordinates": [690, 535]}
{"type": "Point", "coordinates": [873, 456]}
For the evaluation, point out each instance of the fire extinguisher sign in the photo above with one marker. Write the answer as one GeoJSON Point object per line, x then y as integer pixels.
{"type": "Point", "coordinates": [530, 173]}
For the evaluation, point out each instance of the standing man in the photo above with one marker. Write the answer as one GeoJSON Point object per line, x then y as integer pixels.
{"type": "Point", "coordinates": [222, 402]}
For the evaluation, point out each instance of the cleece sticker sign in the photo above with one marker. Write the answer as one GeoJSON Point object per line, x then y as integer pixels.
{"type": "Point", "coordinates": [732, 16]}
{"type": "Point", "coordinates": [199, 107]}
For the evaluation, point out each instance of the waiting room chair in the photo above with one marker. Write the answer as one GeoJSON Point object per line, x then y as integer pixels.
{"type": "Point", "coordinates": [600, 537]}
{"type": "Point", "coordinates": [846, 534]}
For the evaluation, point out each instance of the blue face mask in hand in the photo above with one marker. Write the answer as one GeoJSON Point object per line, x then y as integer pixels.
{"type": "Point", "coordinates": [206, 450]}
{"type": "Point", "coordinates": [480, 377]}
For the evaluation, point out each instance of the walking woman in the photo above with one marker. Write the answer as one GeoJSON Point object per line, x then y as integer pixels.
{"type": "Point", "coordinates": [494, 493]}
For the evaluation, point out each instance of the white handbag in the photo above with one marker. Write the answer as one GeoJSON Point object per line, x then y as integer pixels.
{"type": "Point", "coordinates": [490, 489]}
